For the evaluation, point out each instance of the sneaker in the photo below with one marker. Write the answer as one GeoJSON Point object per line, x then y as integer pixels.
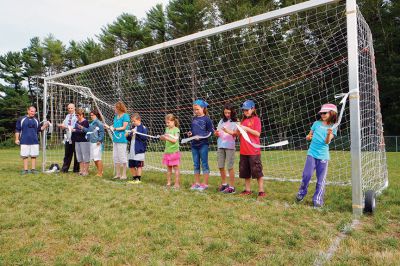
{"type": "Point", "coordinates": [25, 172]}
{"type": "Point", "coordinates": [34, 171]}
{"type": "Point", "coordinates": [299, 198]}
{"type": "Point", "coordinates": [261, 194]}
{"type": "Point", "coordinates": [246, 193]}
{"type": "Point", "coordinates": [229, 190]}
{"type": "Point", "coordinates": [317, 205]}
{"type": "Point", "coordinates": [195, 187]}
{"type": "Point", "coordinates": [223, 187]}
{"type": "Point", "coordinates": [116, 177]}
{"type": "Point", "coordinates": [202, 187]}
{"type": "Point", "coordinates": [123, 178]}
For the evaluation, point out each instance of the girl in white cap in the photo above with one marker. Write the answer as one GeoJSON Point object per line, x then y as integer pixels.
{"type": "Point", "coordinates": [321, 134]}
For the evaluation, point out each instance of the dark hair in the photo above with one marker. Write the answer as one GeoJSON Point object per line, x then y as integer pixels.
{"type": "Point", "coordinates": [229, 106]}
{"type": "Point", "coordinates": [333, 117]}
{"type": "Point", "coordinates": [96, 113]}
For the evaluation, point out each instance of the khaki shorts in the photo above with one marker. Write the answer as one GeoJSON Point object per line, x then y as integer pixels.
{"type": "Point", "coordinates": [250, 166]}
{"type": "Point", "coordinates": [226, 155]}
{"type": "Point", "coordinates": [120, 154]}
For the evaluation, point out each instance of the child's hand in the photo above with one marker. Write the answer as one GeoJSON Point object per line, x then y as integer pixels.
{"type": "Point", "coordinates": [17, 142]}
{"type": "Point", "coordinates": [216, 133]}
{"type": "Point", "coordinates": [106, 126]}
{"type": "Point", "coordinates": [246, 129]}
{"type": "Point", "coordinates": [330, 131]}
{"type": "Point", "coordinates": [189, 133]}
{"type": "Point", "coordinates": [111, 128]}
{"type": "Point", "coordinates": [98, 143]}
{"type": "Point", "coordinates": [309, 137]}
{"type": "Point", "coordinates": [163, 137]}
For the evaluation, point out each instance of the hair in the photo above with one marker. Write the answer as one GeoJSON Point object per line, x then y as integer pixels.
{"type": "Point", "coordinates": [205, 111]}
{"type": "Point", "coordinates": [229, 106]}
{"type": "Point", "coordinates": [31, 106]}
{"type": "Point", "coordinates": [80, 111]}
{"type": "Point", "coordinates": [96, 113]}
{"type": "Point", "coordinates": [253, 114]}
{"type": "Point", "coordinates": [121, 107]}
{"type": "Point", "coordinates": [333, 117]}
{"type": "Point", "coordinates": [136, 116]}
{"type": "Point", "coordinates": [171, 117]}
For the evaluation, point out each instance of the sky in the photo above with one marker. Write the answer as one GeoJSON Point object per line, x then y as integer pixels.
{"type": "Point", "coordinates": [21, 20]}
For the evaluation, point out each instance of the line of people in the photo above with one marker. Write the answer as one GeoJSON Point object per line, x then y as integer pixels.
{"type": "Point", "coordinates": [85, 140]}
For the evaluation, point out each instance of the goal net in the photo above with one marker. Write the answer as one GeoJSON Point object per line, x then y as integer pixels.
{"type": "Point", "coordinates": [288, 61]}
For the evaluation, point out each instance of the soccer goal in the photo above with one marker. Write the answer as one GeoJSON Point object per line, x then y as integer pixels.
{"type": "Point", "coordinates": [289, 61]}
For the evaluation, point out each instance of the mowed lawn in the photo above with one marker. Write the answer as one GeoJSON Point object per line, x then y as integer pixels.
{"type": "Point", "coordinates": [63, 219]}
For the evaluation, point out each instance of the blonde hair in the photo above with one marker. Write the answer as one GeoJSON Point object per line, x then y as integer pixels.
{"type": "Point", "coordinates": [171, 117]}
{"type": "Point", "coordinates": [136, 116]}
{"type": "Point", "coordinates": [121, 107]}
{"type": "Point", "coordinates": [80, 111]}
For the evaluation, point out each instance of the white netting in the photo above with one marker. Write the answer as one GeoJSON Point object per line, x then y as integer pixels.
{"type": "Point", "coordinates": [289, 66]}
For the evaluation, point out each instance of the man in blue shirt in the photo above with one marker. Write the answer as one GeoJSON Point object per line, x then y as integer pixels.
{"type": "Point", "coordinates": [26, 135]}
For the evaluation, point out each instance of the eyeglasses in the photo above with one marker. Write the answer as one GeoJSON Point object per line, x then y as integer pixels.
{"type": "Point", "coordinates": [323, 113]}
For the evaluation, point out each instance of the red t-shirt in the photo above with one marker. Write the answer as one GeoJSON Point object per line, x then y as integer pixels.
{"type": "Point", "coordinates": [245, 147]}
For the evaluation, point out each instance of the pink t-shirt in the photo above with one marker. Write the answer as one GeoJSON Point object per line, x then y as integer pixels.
{"type": "Point", "coordinates": [245, 147]}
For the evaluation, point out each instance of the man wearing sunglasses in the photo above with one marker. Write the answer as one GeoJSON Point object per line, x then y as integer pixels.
{"type": "Point", "coordinates": [26, 135]}
{"type": "Point", "coordinates": [67, 125]}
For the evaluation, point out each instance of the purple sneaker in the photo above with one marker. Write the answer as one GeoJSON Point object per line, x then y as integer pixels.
{"type": "Point", "coordinates": [229, 190]}
{"type": "Point", "coordinates": [223, 187]}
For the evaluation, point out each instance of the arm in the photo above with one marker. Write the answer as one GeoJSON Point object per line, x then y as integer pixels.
{"type": "Point", "coordinates": [18, 128]}
{"type": "Point", "coordinates": [124, 125]}
{"type": "Point", "coordinates": [143, 130]}
{"type": "Point", "coordinates": [329, 136]}
{"type": "Point", "coordinates": [310, 135]}
{"type": "Point", "coordinates": [101, 132]}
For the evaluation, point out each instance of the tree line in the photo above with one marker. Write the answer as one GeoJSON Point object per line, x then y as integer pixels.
{"type": "Point", "coordinates": [127, 33]}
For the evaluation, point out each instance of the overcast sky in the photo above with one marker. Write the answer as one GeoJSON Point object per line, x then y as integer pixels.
{"type": "Point", "coordinates": [20, 20]}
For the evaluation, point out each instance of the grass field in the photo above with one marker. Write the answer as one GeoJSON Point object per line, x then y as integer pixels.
{"type": "Point", "coordinates": [66, 219]}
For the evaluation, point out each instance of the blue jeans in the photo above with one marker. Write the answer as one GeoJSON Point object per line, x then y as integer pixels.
{"type": "Point", "coordinates": [200, 154]}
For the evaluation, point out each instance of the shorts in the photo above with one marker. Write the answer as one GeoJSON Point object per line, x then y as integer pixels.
{"type": "Point", "coordinates": [250, 166]}
{"type": "Point", "coordinates": [120, 154]}
{"type": "Point", "coordinates": [225, 155]}
{"type": "Point", "coordinates": [82, 150]}
{"type": "Point", "coordinates": [96, 151]}
{"type": "Point", "coordinates": [136, 164]}
{"type": "Point", "coordinates": [171, 159]}
{"type": "Point", "coordinates": [29, 150]}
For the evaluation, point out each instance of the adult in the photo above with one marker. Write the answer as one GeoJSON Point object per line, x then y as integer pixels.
{"type": "Point", "coordinates": [26, 135]}
{"type": "Point", "coordinates": [82, 146]}
{"type": "Point", "coordinates": [69, 146]}
{"type": "Point", "coordinates": [95, 135]}
{"type": "Point", "coordinates": [120, 124]}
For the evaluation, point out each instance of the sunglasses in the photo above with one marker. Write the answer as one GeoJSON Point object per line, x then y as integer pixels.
{"type": "Point", "coordinates": [323, 113]}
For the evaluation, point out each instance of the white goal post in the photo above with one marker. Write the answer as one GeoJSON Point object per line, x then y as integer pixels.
{"type": "Point", "coordinates": [290, 61]}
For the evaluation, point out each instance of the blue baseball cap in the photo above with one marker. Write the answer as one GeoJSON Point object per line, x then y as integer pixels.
{"type": "Point", "coordinates": [248, 104]}
{"type": "Point", "coordinates": [201, 103]}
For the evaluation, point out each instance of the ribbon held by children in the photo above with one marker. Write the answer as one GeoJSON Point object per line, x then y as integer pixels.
{"type": "Point", "coordinates": [247, 138]}
{"type": "Point", "coordinates": [195, 137]}
{"type": "Point", "coordinates": [344, 97]}
{"type": "Point", "coordinates": [94, 131]}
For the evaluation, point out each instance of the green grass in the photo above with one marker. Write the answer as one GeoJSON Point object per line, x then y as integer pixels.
{"type": "Point", "coordinates": [66, 219]}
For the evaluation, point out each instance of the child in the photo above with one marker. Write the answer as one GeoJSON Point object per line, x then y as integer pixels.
{"type": "Point", "coordinates": [321, 135]}
{"type": "Point", "coordinates": [201, 126]}
{"type": "Point", "coordinates": [82, 146]}
{"type": "Point", "coordinates": [250, 157]}
{"type": "Point", "coordinates": [226, 132]}
{"type": "Point", "coordinates": [95, 135]}
{"type": "Point", "coordinates": [137, 148]}
{"type": "Point", "coordinates": [171, 156]}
